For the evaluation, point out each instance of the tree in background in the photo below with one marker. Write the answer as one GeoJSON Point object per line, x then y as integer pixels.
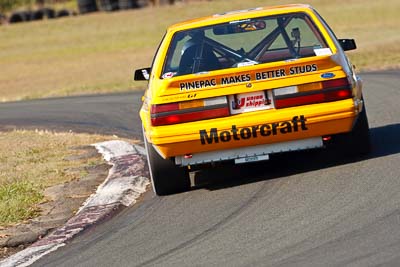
{"type": "Point", "coordinates": [8, 5]}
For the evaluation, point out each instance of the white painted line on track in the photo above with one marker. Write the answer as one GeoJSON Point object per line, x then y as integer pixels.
{"type": "Point", "coordinates": [115, 148]}
{"type": "Point", "coordinates": [141, 150]}
{"type": "Point", "coordinates": [29, 255]}
{"type": "Point", "coordinates": [126, 181]}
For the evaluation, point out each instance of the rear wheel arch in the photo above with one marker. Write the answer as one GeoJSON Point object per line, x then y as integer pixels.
{"type": "Point", "coordinates": [166, 177]}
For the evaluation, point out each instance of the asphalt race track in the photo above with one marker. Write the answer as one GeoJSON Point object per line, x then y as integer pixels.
{"type": "Point", "coordinates": [306, 209]}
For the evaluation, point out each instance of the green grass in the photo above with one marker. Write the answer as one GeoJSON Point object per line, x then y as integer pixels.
{"type": "Point", "coordinates": [97, 53]}
{"type": "Point", "coordinates": [31, 161]}
{"type": "Point", "coordinates": [18, 201]}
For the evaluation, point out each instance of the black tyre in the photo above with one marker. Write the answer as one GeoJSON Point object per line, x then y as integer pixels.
{"type": "Point", "coordinates": [357, 142]}
{"type": "Point", "coordinates": [108, 5]}
{"type": "Point", "coordinates": [166, 177]}
{"type": "Point", "coordinates": [87, 6]}
{"type": "Point", "coordinates": [37, 15]}
{"type": "Point", "coordinates": [63, 13]}
{"type": "Point", "coordinates": [48, 13]}
{"type": "Point", "coordinates": [21, 16]}
{"type": "Point", "coordinates": [127, 4]}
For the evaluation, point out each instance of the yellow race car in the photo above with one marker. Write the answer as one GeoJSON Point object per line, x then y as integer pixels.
{"type": "Point", "coordinates": [243, 85]}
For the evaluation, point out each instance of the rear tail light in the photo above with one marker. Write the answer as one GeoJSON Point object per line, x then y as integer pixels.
{"type": "Point", "coordinates": [326, 91]}
{"type": "Point", "coordinates": [173, 113]}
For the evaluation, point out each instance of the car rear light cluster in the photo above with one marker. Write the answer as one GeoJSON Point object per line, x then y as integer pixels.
{"type": "Point", "coordinates": [172, 113]}
{"type": "Point", "coordinates": [326, 91]}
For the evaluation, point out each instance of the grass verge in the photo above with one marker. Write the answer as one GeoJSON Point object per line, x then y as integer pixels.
{"type": "Point", "coordinates": [97, 53]}
{"type": "Point", "coordinates": [31, 161]}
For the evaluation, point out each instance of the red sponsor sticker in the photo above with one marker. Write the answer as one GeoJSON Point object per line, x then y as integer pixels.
{"type": "Point", "coordinates": [250, 102]}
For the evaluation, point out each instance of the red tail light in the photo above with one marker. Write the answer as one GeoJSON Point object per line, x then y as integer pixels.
{"type": "Point", "coordinates": [164, 108]}
{"type": "Point", "coordinates": [332, 90]}
{"type": "Point", "coordinates": [335, 83]}
{"type": "Point", "coordinates": [173, 113]}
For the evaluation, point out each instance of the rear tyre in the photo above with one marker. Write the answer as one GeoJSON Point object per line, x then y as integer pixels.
{"type": "Point", "coordinates": [357, 142]}
{"type": "Point", "coordinates": [166, 177]}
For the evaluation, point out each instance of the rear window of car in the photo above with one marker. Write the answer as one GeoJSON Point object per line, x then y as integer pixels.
{"type": "Point", "coordinates": [242, 43]}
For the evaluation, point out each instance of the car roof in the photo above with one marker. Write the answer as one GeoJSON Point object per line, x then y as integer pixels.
{"type": "Point", "coordinates": [239, 14]}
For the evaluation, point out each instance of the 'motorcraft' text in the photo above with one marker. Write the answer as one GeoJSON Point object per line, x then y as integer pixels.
{"type": "Point", "coordinates": [298, 123]}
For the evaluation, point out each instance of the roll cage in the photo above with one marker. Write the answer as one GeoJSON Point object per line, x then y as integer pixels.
{"type": "Point", "coordinates": [230, 57]}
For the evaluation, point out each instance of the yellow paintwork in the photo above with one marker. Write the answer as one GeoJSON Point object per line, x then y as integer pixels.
{"type": "Point", "coordinates": [322, 119]}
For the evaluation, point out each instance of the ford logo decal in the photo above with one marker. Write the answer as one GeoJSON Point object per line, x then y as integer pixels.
{"type": "Point", "coordinates": [327, 75]}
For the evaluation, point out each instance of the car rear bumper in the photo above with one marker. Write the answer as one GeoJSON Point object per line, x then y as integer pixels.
{"type": "Point", "coordinates": [254, 128]}
{"type": "Point", "coordinates": [248, 154]}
